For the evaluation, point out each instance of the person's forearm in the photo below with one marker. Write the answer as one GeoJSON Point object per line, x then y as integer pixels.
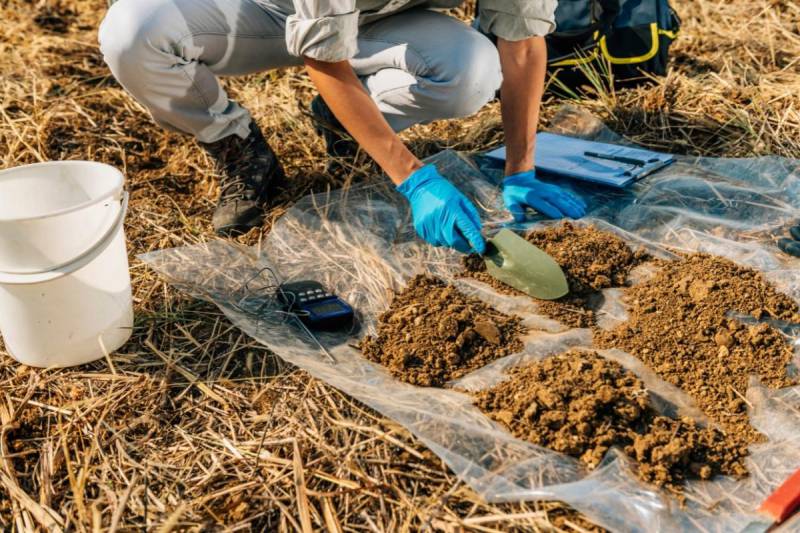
{"type": "Point", "coordinates": [524, 66]}
{"type": "Point", "coordinates": [342, 91]}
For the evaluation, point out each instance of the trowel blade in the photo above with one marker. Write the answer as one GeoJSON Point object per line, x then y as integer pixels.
{"type": "Point", "coordinates": [519, 264]}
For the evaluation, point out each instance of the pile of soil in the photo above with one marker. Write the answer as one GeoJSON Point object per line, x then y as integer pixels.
{"type": "Point", "coordinates": [592, 260]}
{"type": "Point", "coordinates": [678, 326]}
{"type": "Point", "coordinates": [432, 334]}
{"type": "Point", "coordinates": [581, 404]}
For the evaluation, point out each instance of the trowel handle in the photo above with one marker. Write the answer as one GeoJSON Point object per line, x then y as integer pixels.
{"type": "Point", "coordinates": [784, 501]}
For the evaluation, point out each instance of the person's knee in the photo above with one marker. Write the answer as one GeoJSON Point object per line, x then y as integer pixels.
{"type": "Point", "coordinates": [128, 33]}
{"type": "Point", "coordinates": [474, 76]}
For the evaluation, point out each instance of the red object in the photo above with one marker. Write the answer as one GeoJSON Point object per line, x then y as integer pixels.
{"type": "Point", "coordinates": [784, 500]}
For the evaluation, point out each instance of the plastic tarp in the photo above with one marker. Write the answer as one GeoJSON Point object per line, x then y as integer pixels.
{"type": "Point", "coordinates": [360, 243]}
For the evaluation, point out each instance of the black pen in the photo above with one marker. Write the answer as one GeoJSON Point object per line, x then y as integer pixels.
{"type": "Point", "coordinates": [617, 158]}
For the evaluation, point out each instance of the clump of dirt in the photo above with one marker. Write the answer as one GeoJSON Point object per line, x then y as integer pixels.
{"type": "Point", "coordinates": [679, 326]}
{"type": "Point", "coordinates": [432, 334]}
{"type": "Point", "coordinates": [581, 404]}
{"type": "Point", "coordinates": [591, 259]}
{"type": "Point", "coordinates": [56, 18]}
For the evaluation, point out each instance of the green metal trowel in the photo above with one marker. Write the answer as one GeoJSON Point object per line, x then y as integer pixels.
{"type": "Point", "coordinates": [519, 264]}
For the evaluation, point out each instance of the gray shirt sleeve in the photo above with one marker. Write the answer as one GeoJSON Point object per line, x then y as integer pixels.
{"type": "Point", "coordinates": [515, 20]}
{"type": "Point", "coordinates": [326, 30]}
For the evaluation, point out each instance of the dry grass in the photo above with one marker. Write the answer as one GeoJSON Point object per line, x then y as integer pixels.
{"type": "Point", "coordinates": [196, 426]}
{"type": "Point", "coordinates": [734, 89]}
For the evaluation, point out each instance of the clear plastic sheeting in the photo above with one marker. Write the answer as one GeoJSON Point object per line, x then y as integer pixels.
{"type": "Point", "coordinates": [360, 243]}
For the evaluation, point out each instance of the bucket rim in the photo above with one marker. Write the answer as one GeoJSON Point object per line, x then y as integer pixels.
{"type": "Point", "coordinates": [114, 191]}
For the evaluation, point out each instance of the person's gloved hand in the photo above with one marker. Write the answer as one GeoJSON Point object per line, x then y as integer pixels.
{"type": "Point", "coordinates": [443, 216]}
{"type": "Point", "coordinates": [523, 190]}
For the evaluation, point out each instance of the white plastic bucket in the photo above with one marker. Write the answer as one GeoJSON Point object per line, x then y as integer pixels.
{"type": "Point", "coordinates": [65, 287]}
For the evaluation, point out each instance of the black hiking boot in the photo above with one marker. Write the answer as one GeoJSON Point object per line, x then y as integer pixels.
{"type": "Point", "coordinates": [341, 147]}
{"type": "Point", "coordinates": [248, 171]}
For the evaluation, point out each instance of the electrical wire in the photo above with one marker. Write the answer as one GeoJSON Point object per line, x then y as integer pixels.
{"type": "Point", "coordinates": [267, 296]}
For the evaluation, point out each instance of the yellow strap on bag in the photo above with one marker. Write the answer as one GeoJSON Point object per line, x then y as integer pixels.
{"type": "Point", "coordinates": [580, 60]}
{"type": "Point", "coordinates": [655, 31]}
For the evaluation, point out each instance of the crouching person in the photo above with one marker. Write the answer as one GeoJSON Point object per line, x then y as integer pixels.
{"type": "Point", "coordinates": [380, 66]}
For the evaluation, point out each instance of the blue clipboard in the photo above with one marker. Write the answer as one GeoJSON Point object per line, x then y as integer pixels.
{"type": "Point", "coordinates": [606, 164]}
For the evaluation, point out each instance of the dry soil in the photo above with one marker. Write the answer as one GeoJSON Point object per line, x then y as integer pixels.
{"type": "Point", "coordinates": [679, 325]}
{"type": "Point", "coordinates": [432, 333]}
{"type": "Point", "coordinates": [591, 259]}
{"type": "Point", "coordinates": [581, 404]}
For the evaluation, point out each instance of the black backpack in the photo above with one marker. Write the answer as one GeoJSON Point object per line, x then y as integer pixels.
{"type": "Point", "coordinates": [622, 38]}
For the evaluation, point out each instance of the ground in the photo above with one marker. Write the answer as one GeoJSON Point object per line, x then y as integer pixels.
{"type": "Point", "coordinates": [259, 445]}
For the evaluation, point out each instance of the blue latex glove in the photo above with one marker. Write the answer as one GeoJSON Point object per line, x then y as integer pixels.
{"type": "Point", "coordinates": [442, 215]}
{"type": "Point", "coordinates": [523, 190]}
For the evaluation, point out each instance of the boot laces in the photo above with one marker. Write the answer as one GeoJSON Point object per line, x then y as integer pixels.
{"type": "Point", "coordinates": [233, 182]}
{"type": "Point", "coordinates": [232, 188]}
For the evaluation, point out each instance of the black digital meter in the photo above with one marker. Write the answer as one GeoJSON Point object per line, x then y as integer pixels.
{"type": "Point", "coordinates": [315, 305]}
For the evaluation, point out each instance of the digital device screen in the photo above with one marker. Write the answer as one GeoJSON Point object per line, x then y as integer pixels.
{"type": "Point", "coordinates": [327, 307]}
